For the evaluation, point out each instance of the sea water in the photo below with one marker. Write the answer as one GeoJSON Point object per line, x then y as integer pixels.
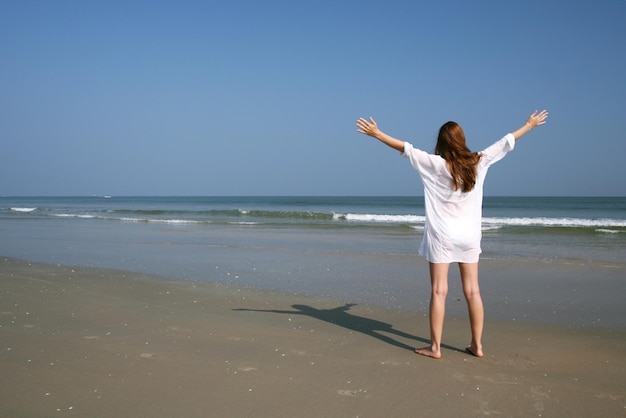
{"type": "Point", "coordinates": [359, 249]}
{"type": "Point", "coordinates": [564, 227]}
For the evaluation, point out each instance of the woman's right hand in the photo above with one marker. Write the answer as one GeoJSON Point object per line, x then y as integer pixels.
{"type": "Point", "coordinates": [537, 119]}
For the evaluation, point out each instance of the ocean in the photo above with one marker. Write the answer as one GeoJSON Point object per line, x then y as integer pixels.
{"type": "Point", "coordinates": [359, 249]}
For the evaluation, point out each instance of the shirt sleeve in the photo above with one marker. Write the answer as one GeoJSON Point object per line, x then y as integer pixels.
{"type": "Point", "coordinates": [497, 151]}
{"type": "Point", "coordinates": [420, 160]}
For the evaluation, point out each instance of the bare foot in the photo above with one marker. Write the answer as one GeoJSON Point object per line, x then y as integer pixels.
{"type": "Point", "coordinates": [476, 352]}
{"type": "Point", "coordinates": [428, 352]}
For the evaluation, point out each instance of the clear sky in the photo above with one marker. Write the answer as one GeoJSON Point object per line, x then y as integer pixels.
{"type": "Point", "coordinates": [261, 97]}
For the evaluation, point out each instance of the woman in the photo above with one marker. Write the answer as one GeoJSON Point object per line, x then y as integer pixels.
{"type": "Point", "coordinates": [453, 180]}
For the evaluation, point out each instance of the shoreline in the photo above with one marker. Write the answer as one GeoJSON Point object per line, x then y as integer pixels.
{"type": "Point", "coordinates": [96, 342]}
{"type": "Point", "coordinates": [556, 291]}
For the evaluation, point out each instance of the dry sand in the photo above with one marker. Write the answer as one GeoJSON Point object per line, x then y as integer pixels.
{"type": "Point", "coordinates": [101, 343]}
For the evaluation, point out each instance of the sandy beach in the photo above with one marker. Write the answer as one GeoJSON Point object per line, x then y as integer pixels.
{"type": "Point", "coordinates": [76, 341]}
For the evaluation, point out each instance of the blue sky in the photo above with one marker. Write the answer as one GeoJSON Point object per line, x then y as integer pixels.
{"type": "Point", "coordinates": [261, 98]}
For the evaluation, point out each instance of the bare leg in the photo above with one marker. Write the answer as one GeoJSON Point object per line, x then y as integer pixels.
{"type": "Point", "coordinates": [471, 290]}
{"type": "Point", "coordinates": [439, 284]}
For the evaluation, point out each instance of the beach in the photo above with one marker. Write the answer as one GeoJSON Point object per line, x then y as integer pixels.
{"type": "Point", "coordinates": [304, 306]}
{"type": "Point", "coordinates": [80, 341]}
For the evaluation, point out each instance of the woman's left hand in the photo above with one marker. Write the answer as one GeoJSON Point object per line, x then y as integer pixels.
{"type": "Point", "coordinates": [367, 127]}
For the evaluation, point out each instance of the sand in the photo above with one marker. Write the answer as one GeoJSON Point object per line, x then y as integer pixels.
{"type": "Point", "coordinates": [87, 342]}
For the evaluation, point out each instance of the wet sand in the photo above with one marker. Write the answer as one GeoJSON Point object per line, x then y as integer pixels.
{"type": "Point", "coordinates": [87, 342]}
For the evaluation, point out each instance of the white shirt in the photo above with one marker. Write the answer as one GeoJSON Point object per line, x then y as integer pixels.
{"type": "Point", "coordinates": [452, 231]}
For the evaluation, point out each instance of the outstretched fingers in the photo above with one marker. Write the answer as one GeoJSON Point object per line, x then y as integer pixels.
{"type": "Point", "coordinates": [539, 118]}
{"type": "Point", "coordinates": [366, 127]}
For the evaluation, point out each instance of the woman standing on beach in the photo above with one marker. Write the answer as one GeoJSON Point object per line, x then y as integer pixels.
{"type": "Point", "coordinates": [453, 180]}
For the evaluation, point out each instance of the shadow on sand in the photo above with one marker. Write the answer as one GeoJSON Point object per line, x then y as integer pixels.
{"type": "Point", "coordinates": [341, 317]}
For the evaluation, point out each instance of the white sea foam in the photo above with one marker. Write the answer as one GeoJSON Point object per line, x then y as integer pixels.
{"type": "Point", "coordinates": [417, 227]}
{"type": "Point", "coordinates": [555, 222]}
{"type": "Point", "coordinates": [174, 221]}
{"type": "Point", "coordinates": [23, 209]}
{"type": "Point", "coordinates": [491, 223]}
{"type": "Point", "coordinates": [490, 227]}
{"type": "Point", "coordinates": [368, 217]}
{"type": "Point", "coordinates": [125, 219]}
{"type": "Point", "coordinates": [70, 215]}
{"type": "Point", "coordinates": [160, 221]}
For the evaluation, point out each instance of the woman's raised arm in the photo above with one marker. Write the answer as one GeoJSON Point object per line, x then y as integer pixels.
{"type": "Point", "coordinates": [533, 121]}
{"type": "Point", "coordinates": [371, 129]}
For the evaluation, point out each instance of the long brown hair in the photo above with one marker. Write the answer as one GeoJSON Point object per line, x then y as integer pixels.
{"type": "Point", "coordinates": [461, 161]}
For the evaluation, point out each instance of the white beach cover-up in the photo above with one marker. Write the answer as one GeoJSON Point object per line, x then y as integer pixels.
{"type": "Point", "coordinates": [452, 231]}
